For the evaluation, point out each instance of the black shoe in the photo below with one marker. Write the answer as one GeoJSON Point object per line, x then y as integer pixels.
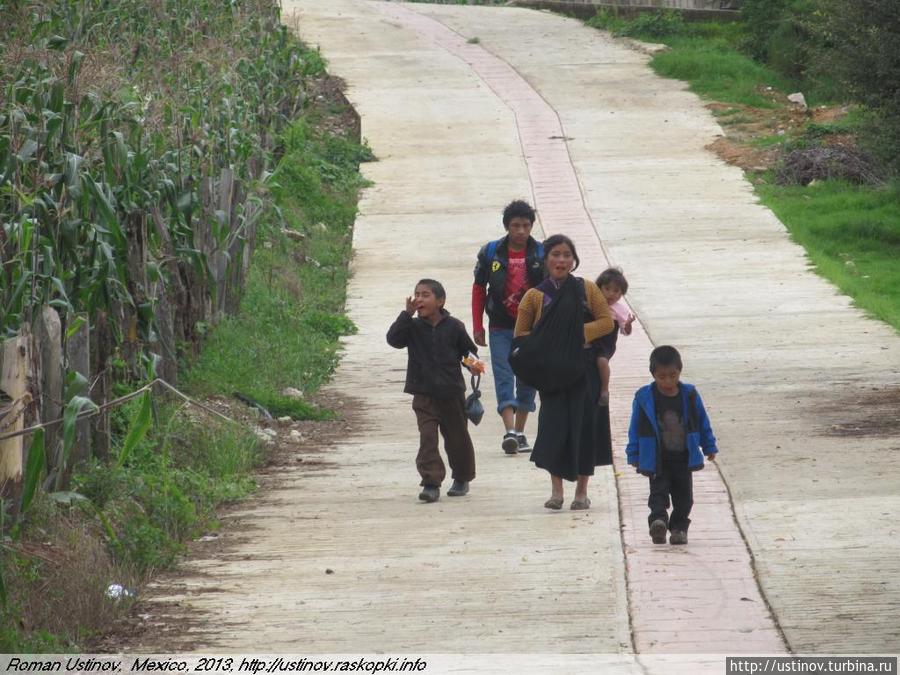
{"type": "Point", "coordinates": [678, 537]}
{"type": "Point", "coordinates": [510, 443]}
{"type": "Point", "coordinates": [430, 493]}
{"type": "Point", "coordinates": [523, 443]}
{"type": "Point", "coordinates": [658, 531]}
{"type": "Point", "coordinates": [459, 488]}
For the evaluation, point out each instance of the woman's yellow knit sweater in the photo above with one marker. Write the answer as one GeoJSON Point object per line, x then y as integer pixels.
{"type": "Point", "coordinates": [533, 304]}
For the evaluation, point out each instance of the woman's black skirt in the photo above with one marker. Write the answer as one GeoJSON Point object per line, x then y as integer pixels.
{"type": "Point", "coordinates": [573, 431]}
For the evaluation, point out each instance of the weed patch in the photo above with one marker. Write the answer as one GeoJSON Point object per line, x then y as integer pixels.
{"type": "Point", "coordinates": [850, 232]}
{"type": "Point", "coordinates": [852, 235]}
{"type": "Point", "coordinates": [287, 332]}
{"type": "Point", "coordinates": [129, 515]}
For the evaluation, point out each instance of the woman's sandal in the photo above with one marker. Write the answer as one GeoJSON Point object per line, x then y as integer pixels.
{"type": "Point", "coordinates": [554, 503]}
{"type": "Point", "coordinates": [580, 504]}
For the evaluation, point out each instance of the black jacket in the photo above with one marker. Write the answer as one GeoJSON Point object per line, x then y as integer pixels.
{"type": "Point", "coordinates": [434, 354]}
{"type": "Point", "coordinates": [492, 273]}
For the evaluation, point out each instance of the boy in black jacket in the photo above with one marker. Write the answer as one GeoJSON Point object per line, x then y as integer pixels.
{"type": "Point", "coordinates": [436, 344]}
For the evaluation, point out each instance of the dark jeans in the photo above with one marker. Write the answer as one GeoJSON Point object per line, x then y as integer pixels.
{"type": "Point", "coordinates": [446, 416]}
{"type": "Point", "coordinates": [675, 480]}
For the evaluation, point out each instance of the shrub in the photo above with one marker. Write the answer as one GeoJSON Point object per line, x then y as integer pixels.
{"type": "Point", "coordinates": [864, 50]}
{"type": "Point", "coordinates": [783, 34]}
{"type": "Point", "coordinates": [802, 166]}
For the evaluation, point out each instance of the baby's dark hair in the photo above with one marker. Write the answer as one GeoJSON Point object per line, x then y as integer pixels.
{"type": "Point", "coordinates": [436, 287]}
{"type": "Point", "coordinates": [665, 356]}
{"type": "Point", "coordinates": [614, 276]}
{"type": "Point", "coordinates": [517, 209]}
{"type": "Point", "coordinates": [555, 240]}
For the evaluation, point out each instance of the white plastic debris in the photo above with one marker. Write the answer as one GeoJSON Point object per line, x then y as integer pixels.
{"type": "Point", "coordinates": [117, 592]}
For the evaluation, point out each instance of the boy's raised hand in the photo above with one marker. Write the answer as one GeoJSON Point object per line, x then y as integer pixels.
{"type": "Point", "coordinates": [410, 306]}
{"type": "Point", "coordinates": [626, 327]}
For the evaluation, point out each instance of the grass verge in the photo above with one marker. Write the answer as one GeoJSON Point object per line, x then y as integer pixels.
{"type": "Point", "coordinates": [850, 232]}
{"type": "Point", "coordinates": [852, 235]}
{"type": "Point", "coordinates": [286, 334]}
{"type": "Point", "coordinates": [126, 518]}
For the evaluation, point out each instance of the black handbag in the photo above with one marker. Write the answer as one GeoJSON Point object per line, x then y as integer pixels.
{"type": "Point", "coordinates": [551, 357]}
{"type": "Point", "coordinates": [473, 409]}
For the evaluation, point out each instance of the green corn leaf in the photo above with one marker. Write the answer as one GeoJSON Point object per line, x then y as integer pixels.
{"type": "Point", "coordinates": [139, 427]}
{"type": "Point", "coordinates": [36, 461]}
{"type": "Point", "coordinates": [57, 42]}
{"type": "Point", "coordinates": [72, 329]}
{"type": "Point", "coordinates": [105, 209]}
{"type": "Point", "coordinates": [75, 65]}
{"type": "Point", "coordinates": [57, 96]}
{"type": "Point", "coordinates": [2, 585]}
{"type": "Point", "coordinates": [70, 417]}
{"type": "Point", "coordinates": [28, 149]}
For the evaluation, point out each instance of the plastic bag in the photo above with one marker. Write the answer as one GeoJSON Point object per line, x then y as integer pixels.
{"type": "Point", "coordinates": [473, 409]}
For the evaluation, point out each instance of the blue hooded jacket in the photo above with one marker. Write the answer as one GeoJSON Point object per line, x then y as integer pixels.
{"type": "Point", "coordinates": [644, 444]}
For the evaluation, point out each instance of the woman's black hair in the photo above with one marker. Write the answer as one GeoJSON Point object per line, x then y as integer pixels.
{"type": "Point", "coordinates": [555, 240]}
{"type": "Point", "coordinates": [435, 287]}
{"type": "Point", "coordinates": [517, 209]}
{"type": "Point", "coordinates": [665, 356]}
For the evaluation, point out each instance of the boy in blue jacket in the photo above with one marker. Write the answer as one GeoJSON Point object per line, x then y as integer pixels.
{"type": "Point", "coordinates": [668, 436]}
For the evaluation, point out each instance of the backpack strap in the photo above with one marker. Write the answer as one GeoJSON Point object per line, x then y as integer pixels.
{"type": "Point", "coordinates": [491, 249]}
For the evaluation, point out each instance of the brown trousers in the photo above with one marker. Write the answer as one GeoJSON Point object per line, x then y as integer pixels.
{"type": "Point", "coordinates": [446, 416]}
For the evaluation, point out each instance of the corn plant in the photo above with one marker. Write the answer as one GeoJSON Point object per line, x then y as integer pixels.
{"type": "Point", "coordinates": [83, 174]}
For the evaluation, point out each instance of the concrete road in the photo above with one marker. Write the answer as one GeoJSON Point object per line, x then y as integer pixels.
{"type": "Point", "coordinates": [467, 108]}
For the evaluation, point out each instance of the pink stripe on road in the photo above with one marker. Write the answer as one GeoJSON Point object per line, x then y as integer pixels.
{"type": "Point", "coordinates": [700, 598]}
{"type": "Point", "coordinates": [556, 193]}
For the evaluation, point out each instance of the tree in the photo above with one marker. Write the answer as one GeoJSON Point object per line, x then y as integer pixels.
{"type": "Point", "coordinates": [864, 51]}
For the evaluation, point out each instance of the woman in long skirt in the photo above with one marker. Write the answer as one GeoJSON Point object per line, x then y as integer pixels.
{"type": "Point", "coordinates": [573, 432]}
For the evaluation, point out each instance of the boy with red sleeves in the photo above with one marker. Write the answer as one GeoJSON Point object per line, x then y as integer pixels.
{"type": "Point", "coordinates": [504, 270]}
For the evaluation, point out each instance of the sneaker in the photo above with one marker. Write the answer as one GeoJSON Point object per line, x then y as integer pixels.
{"type": "Point", "coordinates": [510, 443]}
{"type": "Point", "coordinates": [458, 489]}
{"type": "Point", "coordinates": [523, 443]}
{"type": "Point", "coordinates": [658, 531]}
{"type": "Point", "coordinates": [678, 537]}
{"type": "Point", "coordinates": [430, 493]}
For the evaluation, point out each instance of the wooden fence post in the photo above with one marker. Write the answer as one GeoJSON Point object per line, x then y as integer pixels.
{"type": "Point", "coordinates": [49, 343]}
{"type": "Point", "coordinates": [16, 410]}
{"type": "Point", "coordinates": [78, 359]}
{"type": "Point", "coordinates": [14, 384]}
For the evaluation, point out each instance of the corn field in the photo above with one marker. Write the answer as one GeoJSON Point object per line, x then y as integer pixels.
{"type": "Point", "coordinates": [136, 138]}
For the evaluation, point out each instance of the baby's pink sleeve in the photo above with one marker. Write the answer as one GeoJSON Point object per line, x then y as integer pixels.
{"type": "Point", "coordinates": [619, 312]}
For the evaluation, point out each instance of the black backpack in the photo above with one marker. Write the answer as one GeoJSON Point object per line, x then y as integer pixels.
{"type": "Point", "coordinates": [551, 357]}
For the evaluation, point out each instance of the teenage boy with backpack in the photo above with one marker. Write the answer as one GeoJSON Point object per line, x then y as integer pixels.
{"type": "Point", "coordinates": [504, 270]}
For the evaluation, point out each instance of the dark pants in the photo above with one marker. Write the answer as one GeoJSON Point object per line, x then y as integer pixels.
{"type": "Point", "coordinates": [446, 416]}
{"type": "Point", "coordinates": [675, 480]}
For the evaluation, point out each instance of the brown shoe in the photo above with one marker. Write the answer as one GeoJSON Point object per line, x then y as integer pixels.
{"type": "Point", "coordinates": [580, 504]}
